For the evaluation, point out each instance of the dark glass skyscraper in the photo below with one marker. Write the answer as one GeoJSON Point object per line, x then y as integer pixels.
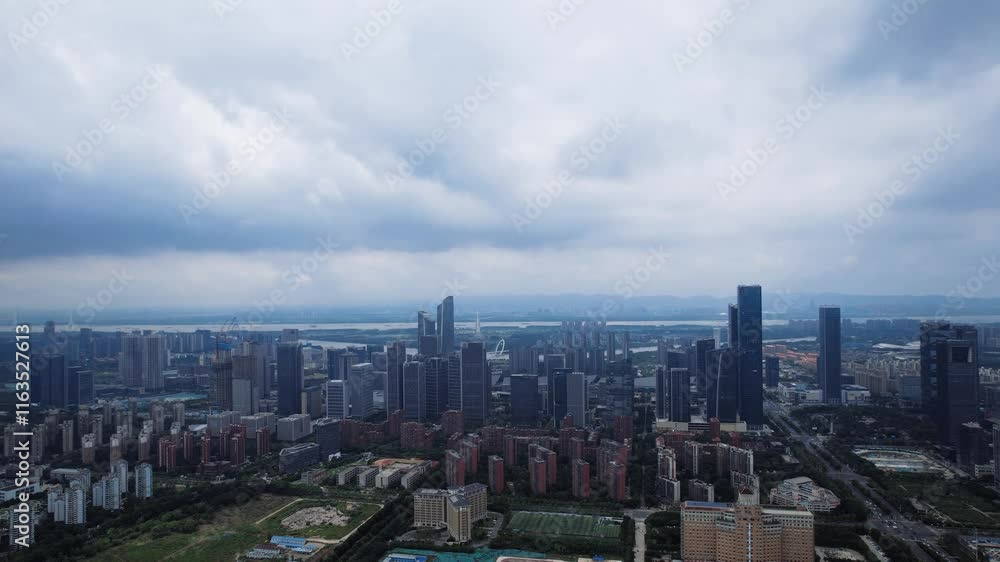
{"type": "Point", "coordinates": [395, 357]}
{"type": "Point", "coordinates": [414, 391]}
{"type": "Point", "coordinates": [734, 325]}
{"type": "Point", "coordinates": [828, 365]}
{"type": "Point", "coordinates": [772, 371]}
{"type": "Point", "coordinates": [475, 384]}
{"type": "Point", "coordinates": [446, 326]}
{"type": "Point", "coordinates": [751, 347]}
{"type": "Point", "coordinates": [524, 400]}
{"type": "Point", "coordinates": [679, 395]}
{"type": "Point", "coordinates": [723, 384]}
{"type": "Point", "coordinates": [290, 378]}
{"type": "Point", "coordinates": [949, 376]}
{"type": "Point", "coordinates": [558, 394]}
{"type": "Point", "coordinates": [700, 364]}
{"type": "Point", "coordinates": [436, 379]}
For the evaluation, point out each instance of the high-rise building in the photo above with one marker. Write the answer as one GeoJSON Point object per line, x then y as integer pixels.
{"type": "Point", "coordinates": [538, 476]}
{"type": "Point", "coordinates": [455, 381]}
{"type": "Point", "coordinates": [772, 371]}
{"type": "Point", "coordinates": [723, 385]}
{"type": "Point", "coordinates": [154, 362]}
{"type": "Point", "coordinates": [436, 390]}
{"type": "Point", "coordinates": [577, 398]}
{"type": "Point", "coordinates": [734, 325]}
{"type": "Point", "coordinates": [395, 355]}
{"type": "Point", "coordinates": [446, 326]}
{"type": "Point", "coordinates": [414, 391]}
{"type": "Point", "coordinates": [828, 365]}
{"type": "Point", "coordinates": [360, 386]}
{"type": "Point", "coordinates": [662, 392]}
{"type": "Point", "coordinates": [581, 478]}
{"type": "Point", "coordinates": [524, 400]}
{"type": "Point", "coordinates": [679, 396]}
{"type": "Point", "coordinates": [620, 383]}
{"type": "Point", "coordinates": [144, 481]}
{"type": "Point", "coordinates": [336, 400]}
{"type": "Point", "coordinates": [76, 503]}
{"type": "Point", "coordinates": [222, 383]}
{"type": "Point", "coordinates": [745, 533]}
{"type": "Point", "coordinates": [454, 464]}
{"type": "Point", "coordinates": [290, 378]}
{"type": "Point", "coordinates": [751, 345]}
{"type": "Point", "coordinates": [557, 394]}
{"type": "Point", "coordinates": [699, 366]}
{"type": "Point", "coordinates": [949, 376]}
{"type": "Point", "coordinates": [476, 384]}
{"type": "Point", "coordinates": [497, 483]}
{"type": "Point", "coordinates": [131, 363]}
{"type": "Point", "coordinates": [80, 386]}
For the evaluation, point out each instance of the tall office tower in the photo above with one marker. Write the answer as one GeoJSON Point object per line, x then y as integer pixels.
{"type": "Point", "coordinates": [578, 399]}
{"type": "Point", "coordinates": [52, 385]}
{"type": "Point", "coordinates": [290, 378]}
{"type": "Point", "coordinates": [328, 433]}
{"type": "Point", "coordinates": [627, 345]}
{"type": "Point", "coordinates": [262, 382]}
{"type": "Point", "coordinates": [772, 371]}
{"type": "Point", "coordinates": [700, 364]}
{"type": "Point", "coordinates": [662, 392]}
{"type": "Point", "coordinates": [333, 371]}
{"type": "Point", "coordinates": [717, 337]}
{"type": "Point", "coordinates": [996, 455]}
{"type": "Point", "coordinates": [395, 356]}
{"type": "Point", "coordinates": [425, 326]}
{"type": "Point", "coordinates": [346, 362]}
{"type": "Point", "coordinates": [620, 388]}
{"type": "Point", "coordinates": [336, 400]}
{"type": "Point", "coordinates": [414, 391]}
{"type": "Point", "coordinates": [751, 338]}
{"type": "Point", "coordinates": [612, 351]}
{"type": "Point", "coordinates": [476, 383]}
{"type": "Point", "coordinates": [949, 375]}
{"type": "Point", "coordinates": [828, 366]}
{"type": "Point", "coordinates": [222, 384]}
{"type": "Point", "coordinates": [360, 386]}
{"type": "Point", "coordinates": [551, 362]}
{"type": "Point", "coordinates": [522, 361]}
{"type": "Point", "coordinates": [455, 381]}
{"type": "Point", "coordinates": [427, 346]}
{"type": "Point", "coordinates": [524, 400]}
{"type": "Point", "coordinates": [734, 325]}
{"type": "Point", "coordinates": [154, 362]}
{"type": "Point", "coordinates": [446, 326]}
{"type": "Point", "coordinates": [144, 481]}
{"type": "Point", "coordinates": [131, 360]}
{"type": "Point", "coordinates": [436, 391]}
{"type": "Point", "coordinates": [723, 396]}
{"type": "Point", "coordinates": [81, 386]}
{"type": "Point", "coordinates": [243, 389]}
{"type": "Point", "coordinates": [290, 335]}
{"type": "Point", "coordinates": [557, 394]}
{"type": "Point", "coordinates": [680, 396]}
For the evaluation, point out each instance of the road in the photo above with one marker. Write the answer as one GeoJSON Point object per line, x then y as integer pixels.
{"type": "Point", "coordinates": [894, 523]}
{"type": "Point", "coordinates": [639, 516]}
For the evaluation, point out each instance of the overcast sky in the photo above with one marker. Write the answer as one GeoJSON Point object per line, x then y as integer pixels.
{"type": "Point", "coordinates": [311, 117]}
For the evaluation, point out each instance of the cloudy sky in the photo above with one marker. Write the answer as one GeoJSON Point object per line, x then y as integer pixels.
{"type": "Point", "coordinates": [201, 154]}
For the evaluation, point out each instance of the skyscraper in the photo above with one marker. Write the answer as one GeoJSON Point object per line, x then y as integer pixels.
{"type": "Point", "coordinates": [949, 375]}
{"type": "Point", "coordinates": [154, 362]}
{"type": "Point", "coordinates": [361, 385]}
{"type": "Point", "coordinates": [620, 388]}
{"type": "Point", "coordinates": [734, 325]}
{"type": "Point", "coordinates": [662, 392]}
{"type": "Point", "coordinates": [131, 360]}
{"type": "Point", "coordinates": [290, 378]}
{"type": "Point", "coordinates": [436, 392]}
{"type": "Point", "coordinates": [524, 400]}
{"type": "Point", "coordinates": [414, 392]}
{"type": "Point", "coordinates": [222, 383]}
{"type": "Point", "coordinates": [476, 384]}
{"type": "Point", "coordinates": [336, 400]}
{"type": "Point", "coordinates": [699, 366]}
{"type": "Point", "coordinates": [551, 362]}
{"type": "Point", "coordinates": [680, 396]}
{"type": "Point", "coordinates": [395, 356]}
{"type": "Point", "coordinates": [577, 398]}
{"type": "Point", "coordinates": [828, 365]}
{"type": "Point", "coordinates": [723, 395]}
{"type": "Point", "coordinates": [751, 346]}
{"type": "Point", "coordinates": [446, 326]}
{"type": "Point", "coordinates": [772, 371]}
{"type": "Point", "coordinates": [557, 394]}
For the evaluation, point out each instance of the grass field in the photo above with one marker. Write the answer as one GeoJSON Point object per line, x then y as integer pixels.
{"type": "Point", "coordinates": [951, 498]}
{"type": "Point", "coordinates": [233, 531]}
{"type": "Point", "coordinates": [567, 525]}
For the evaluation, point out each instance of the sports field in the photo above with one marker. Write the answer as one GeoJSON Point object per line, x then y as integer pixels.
{"type": "Point", "coordinates": [565, 524]}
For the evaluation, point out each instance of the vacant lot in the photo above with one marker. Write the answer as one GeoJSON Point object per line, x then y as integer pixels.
{"type": "Point", "coordinates": [567, 525]}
